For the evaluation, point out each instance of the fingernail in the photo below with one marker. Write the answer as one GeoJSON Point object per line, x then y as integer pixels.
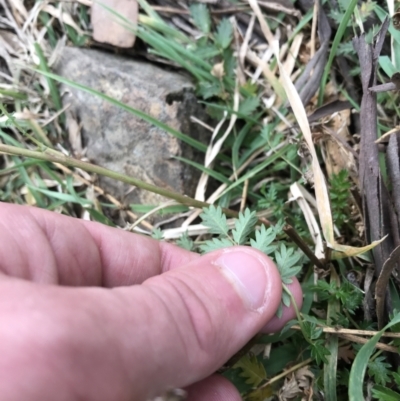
{"type": "Point", "coordinates": [248, 273]}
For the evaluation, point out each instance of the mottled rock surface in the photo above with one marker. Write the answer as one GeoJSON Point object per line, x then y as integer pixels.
{"type": "Point", "coordinates": [116, 139]}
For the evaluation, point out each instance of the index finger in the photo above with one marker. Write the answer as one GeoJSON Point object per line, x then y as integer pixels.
{"type": "Point", "coordinates": [47, 247]}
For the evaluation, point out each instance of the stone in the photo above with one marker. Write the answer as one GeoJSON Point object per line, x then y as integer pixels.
{"type": "Point", "coordinates": [107, 28]}
{"type": "Point", "coordinates": [122, 142]}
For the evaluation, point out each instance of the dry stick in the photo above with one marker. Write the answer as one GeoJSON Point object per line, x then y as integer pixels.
{"type": "Point", "coordinates": [369, 170]}
{"type": "Point", "coordinates": [382, 285]}
{"type": "Point", "coordinates": [276, 6]}
{"type": "Point", "coordinates": [314, 29]}
{"type": "Point", "coordinates": [285, 373]}
{"type": "Point", "coordinates": [349, 334]}
{"type": "Point", "coordinates": [390, 86]}
{"type": "Point", "coordinates": [295, 237]}
{"type": "Point", "coordinates": [244, 195]}
{"type": "Point", "coordinates": [378, 345]}
{"type": "Point", "coordinates": [369, 333]}
{"type": "Point", "coordinates": [173, 10]}
{"type": "Point", "coordinates": [53, 156]}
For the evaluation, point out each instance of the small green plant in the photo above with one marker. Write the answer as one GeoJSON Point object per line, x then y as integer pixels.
{"type": "Point", "coordinates": [288, 260]}
{"type": "Point", "coordinates": [157, 234]}
{"type": "Point", "coordinates": [349, 296]}
{"type": "Point", "coordinates": [340, 194]}
{"type": "Point", "coordinates": [384, 392]}
{"type": "Point", "coordinates": [185, 242]}
{"type": "Point", "coordinates": [364, 12]}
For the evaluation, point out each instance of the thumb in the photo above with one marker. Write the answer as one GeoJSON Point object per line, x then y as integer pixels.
{"type": "Point", "coordinates": [185, 323]}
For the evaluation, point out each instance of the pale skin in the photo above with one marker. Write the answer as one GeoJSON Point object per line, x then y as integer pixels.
{"type": "Point", "coordinates": [89, 312]}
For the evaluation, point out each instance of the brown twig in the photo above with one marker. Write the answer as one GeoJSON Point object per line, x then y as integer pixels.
{"type": "Point", "coordinates": [174, 10]}
{"type": "Point", "coordinates": [295, 237]}
{"type": "Point", "coordinates": [347, 334]}
{"type": "Point", "coordinates": [354, 332]}
{"type": "Point", "coordinates": [382, 284]}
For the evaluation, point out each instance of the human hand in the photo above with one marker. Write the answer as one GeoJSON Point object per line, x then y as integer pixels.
{"type": "Point", "coordinates": [89, 312]}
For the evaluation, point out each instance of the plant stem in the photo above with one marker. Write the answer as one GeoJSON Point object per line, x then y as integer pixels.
{"type": "Point", "coordinates": [53, 156]}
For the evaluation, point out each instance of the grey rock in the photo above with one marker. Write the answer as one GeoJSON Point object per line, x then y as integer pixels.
{"type": "Point", "coordinates": [118, 140]}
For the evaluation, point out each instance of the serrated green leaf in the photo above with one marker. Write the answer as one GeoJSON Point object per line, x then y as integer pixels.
{"type": "Point", "coordinates": [279, 226]}
{"type": "Point", "coordinates": [396, 377]}
{"type": "Point", "coordinates": [185, 242]}
{"type": "Point", "coordinates": [214, 244]}
{"type": "Point", "coordinates": [249, 105]}
{"type": "Point", "coordinates": [224, 34]}
{"type": "Point", "coordinates": [319, 352]}
{"type": "Point", "coordinates": [307, 328]}
{"type": "Point", "coordinates": [244, 226]}
{"type": "Point", "coordinates": [379, 370]}
{"type": "Point", "coordinates": [157, 234]}
{"type": "Point", "coordinates": [252, 370]}
{"type": "Point", "coordinates": [215, 220]}
{"type": "Point", "coordinates": [263, 240]}
{"type": "Point", "coordinates": [261, 394]}
{"type": "Point", "coordinates": [286, 258]}
{"type": "Point", "coordinates": [316, 333]}
{"type": "Point", "coordinates": [207, 90]}
{"type": "Point", "coordinates": [201, 17]}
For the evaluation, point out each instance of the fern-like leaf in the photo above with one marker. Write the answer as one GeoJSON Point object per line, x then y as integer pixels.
{"type": "Point", "coordinates": [215, 220]}
{"type": "Point", "coordinates": [224, 34]}
{"type": "Point", "coordinates": [286, 259]}
{"type": "Point", "coordinates": [249, 105]}
{"type": "Point", "coordinates": [261, 394]}
{"type": "Point", "coordinates": [214, 244]}
{"type": "Point", "coordinates": [252, 370]}
{"type": "Point", "coordinates": [201, 17]}
{"type": "Point", "coordinates": [244, 225]}
{"type": "Point", "coordinates": [263, 240]}
{"type": "Point", "coordinates": [157, 234]}
{"type": "Point", "coordinates": [185, 242]}
{"type": "Point", "coordinates": [380, 370]}
{"type": "Point", "coordinates": [319, 351]}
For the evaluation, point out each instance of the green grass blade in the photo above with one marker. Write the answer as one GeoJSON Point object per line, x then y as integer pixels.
{"type": "Point", "coordinates": [302, 23]}
{"type": "Point", "coordinates": [163, 28]}
{"type": "Point", "coordinates": [255, 120]}
{"type": "Point", "coordinates": [386, 64]}
{"type": "Point", "coordinates": [173, 52]}
{"type": "Point", "coordinates": [332, 345]}
{"type": "Point", "coordinates": [257, 169]}
{"type": "Point", "coordinates": [14, 94]}
{"type": "Point", "coordinates": [338, 37]}
{"type": "Point", "coordinates": [66, 198]}
{"type": "Point", "coordinates": [209, 171]}
{"type": "Point", "coordinates": [238, 143]}
{"type": "Point", "coordinates": [360, 363]}
{"type": "Point", "coordinates": [44, 68]}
